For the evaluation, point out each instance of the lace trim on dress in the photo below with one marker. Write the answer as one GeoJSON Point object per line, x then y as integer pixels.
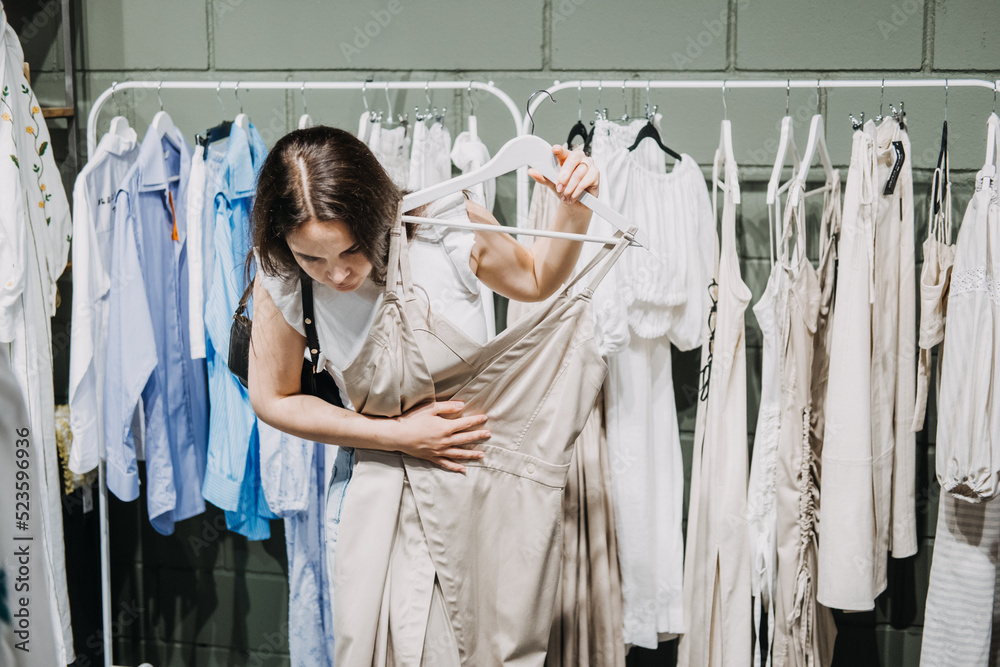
{"type": "Point", "coordinates": [976, 280]}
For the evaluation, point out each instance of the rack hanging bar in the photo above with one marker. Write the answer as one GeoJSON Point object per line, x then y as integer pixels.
{"type": "Point", "coordinates": [298, 86]}
{"type": "Point", "coordinates": [708, 84]}
{"type": "Point", "coordinates": [513, 230]}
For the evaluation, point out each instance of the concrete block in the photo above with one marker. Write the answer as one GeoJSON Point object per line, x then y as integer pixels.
{"type": "Point", "coordinates": [639, 35]}
{"type": "Point", "coordinates": [898, 646]}
{"type": "Point", "coordinates": [965, 34]}
{"type": "Point", "coordinates": [811, 35]}
{"type": "Point", "coordinates": [443, 35]}
{"type": "Point", "coordinates": [144, 35]}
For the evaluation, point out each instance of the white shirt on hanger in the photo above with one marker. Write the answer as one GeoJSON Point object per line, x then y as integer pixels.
{"type": "Point", "coordinates": [93, 215]}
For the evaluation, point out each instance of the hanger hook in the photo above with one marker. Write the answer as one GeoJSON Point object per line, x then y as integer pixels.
{"type": "Point", "coordinates": [579, 101]}
{"type": "Point", "coordinates": [725, 108]}
{"type": "Point", "coordinates": [114, 96]}
{"type": "Point", "coordinates": [158, 98]}
{"type": "Point", "coordinates": [995, 85]}
{"type": "Point", "coordinates": [388, 102]}
{"type": "Point", "coordinates": [600, 92]}
{"type": "Point", "coordinates": [364, 94]}
{"type": "Point", "coordinates": [817, 95]}
{"type": "Point", "coordinates": [531, 129]}
{"type": "Point", "coordinates": [302, 91]}
{"type": "Point", "coordinates": [218, 96]}
{"type": "Point", "coordinates": [881, 97]}
{"type": "Point", "coordinates": [946, 100]}
{"type": "Point", "coordinates": [788, 94]}
{"type": "Point", "coordinates": [648, 115]}
{"type": "Point", "coordinates": [624, 103]}
{"type": "Point", "coordinates": [236, 92]}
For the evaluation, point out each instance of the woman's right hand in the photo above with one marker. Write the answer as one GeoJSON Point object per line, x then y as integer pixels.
{"type": "Point", "coordinates": [423, 433]}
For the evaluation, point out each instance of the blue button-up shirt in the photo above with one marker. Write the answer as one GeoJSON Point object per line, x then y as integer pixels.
{"type": "Point", "coordinates": [149, 353]}
{"type": "Point", "coordinates": [232, 477]}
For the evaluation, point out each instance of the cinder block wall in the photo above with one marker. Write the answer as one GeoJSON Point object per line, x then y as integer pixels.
{"type": "Point", "coordinates": [208, 597]}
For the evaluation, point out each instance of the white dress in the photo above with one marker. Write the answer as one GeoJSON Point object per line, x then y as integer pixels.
{"type": "Point", "coordinates": [430, 155]}
{"type": "Point", "coordinates": [392, 148]}
{"type": "Point", "coordinates": [643, 438]}
{"type": "Point", "coordinates": [35, 230]}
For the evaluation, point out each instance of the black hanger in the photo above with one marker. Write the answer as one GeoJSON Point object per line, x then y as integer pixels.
{"type": "Point", "coordinates": [649, 131]}
{"type": "Point", "coordinates": [213, 134]}
{"type": "Point", "coordinates": [942, 162]}
{"type": "Point", "coordinates": [579, 130]}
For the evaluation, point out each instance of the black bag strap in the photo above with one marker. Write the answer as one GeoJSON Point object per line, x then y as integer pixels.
{"type": "Point", "coordinates": [308, 319]}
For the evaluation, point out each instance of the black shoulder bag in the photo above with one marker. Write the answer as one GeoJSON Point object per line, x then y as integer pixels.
{"type": "Point", "coordinates": [314, 383]}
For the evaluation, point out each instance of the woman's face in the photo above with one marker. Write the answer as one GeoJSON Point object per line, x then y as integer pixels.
{"type": "Point", "coordinates": [326, 251]}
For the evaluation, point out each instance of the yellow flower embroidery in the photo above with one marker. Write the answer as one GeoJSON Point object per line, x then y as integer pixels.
{"type": "Point", "coordinates": [41, 204]}
{"type": "Point", "coordinates": [34, 109]}
{"type": "Point", "coordinates": [43, 187]}
{"type": "Point", "coordinates": [29, 130]}
{"type": "Point", "coordinates": [6, 116]}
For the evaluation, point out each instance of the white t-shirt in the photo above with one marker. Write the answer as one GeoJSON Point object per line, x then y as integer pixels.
{"type": "Point", "coordinates": [439, 261]}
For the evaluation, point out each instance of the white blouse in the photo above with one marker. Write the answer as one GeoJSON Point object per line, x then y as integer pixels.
{"type": "Point", "coordinates": [439, 260]}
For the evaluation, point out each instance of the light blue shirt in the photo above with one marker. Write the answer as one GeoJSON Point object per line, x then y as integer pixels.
{"type": "Point", "coordinates": [149, 354]}
{"type": "Point", "coordinates": [232, 476]}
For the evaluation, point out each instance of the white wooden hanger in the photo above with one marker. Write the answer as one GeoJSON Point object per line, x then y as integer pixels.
{"type": "Point", "coordinates": [162, 123]}
{"type": "Point", "coordinates": [817, 139]}
{"type": "Point", "coordinates": [526, 150]}
{"type": "Point", "coordinates": [786, 150]}
{"type": "Point", "coordinates": [725, 159]}
{"type": "Point", "coordinates": [120, 127]}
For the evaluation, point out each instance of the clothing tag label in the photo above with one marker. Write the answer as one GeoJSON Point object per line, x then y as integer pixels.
{"type": "Point", "coordinates": [173, 214]}
{"type": "Point", "coordinates": [890, 184]}
{"type": "Point", "coordinates": [88, 498]}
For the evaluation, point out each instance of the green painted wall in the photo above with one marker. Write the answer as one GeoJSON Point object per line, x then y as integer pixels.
{"type": "Point", "coordinates": [205, 597]}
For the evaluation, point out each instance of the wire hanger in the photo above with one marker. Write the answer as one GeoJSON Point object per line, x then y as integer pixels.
{"type": "Point", "coordinates": [725, 158]}
{"type": "Point", "coordinates": [523, 151]}
{"type": "Point", "coordinates": [119, 124]}
{"type": "Point", "coordinates": [816, 140]}
{"type": "Point", "coordinates": [220, 131]}
{"type": "Point", "coordinates": [242, 121]}
{"type": "Point", "coordinates": [527, 108]}
{"type": "Point", "coordinates": [162, 123]}
{"type": "Point", "coordinates": [305, 120]}
{"type": "Point", "coordinates": [473, 123]}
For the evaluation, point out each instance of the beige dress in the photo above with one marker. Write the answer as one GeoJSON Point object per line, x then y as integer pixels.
{"type": "Point", "coordinates": [868, 457]}
{"type": "Point", "coordinates": [587, 625]}
{"type": "Point", "coordinates": [438, 568]}
{"type": "Point", "coordinates": [935, 277]}
{"type": "Point", "coordinates": [717, 557]}
{"type": "Point", "coordinates": [804, 631]}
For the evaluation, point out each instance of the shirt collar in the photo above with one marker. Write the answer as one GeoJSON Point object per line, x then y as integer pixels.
{"type": "Point", "coordinates": [117, 144]}
{"type": "Point", "coordinates": [152, 167]}
{"type": "Point", "coordinates": [244, 155]}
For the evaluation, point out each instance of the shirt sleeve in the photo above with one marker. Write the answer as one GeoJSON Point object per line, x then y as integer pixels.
{"type": "Point", "coordinates": [83, 403]}
{"type": "Point", "coordinates": [131, 355]}
{"type": "Point", "coordinates": [286, 294]}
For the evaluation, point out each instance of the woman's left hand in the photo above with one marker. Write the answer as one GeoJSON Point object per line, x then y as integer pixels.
{"type": "Point", "coordinates": [577, 175]}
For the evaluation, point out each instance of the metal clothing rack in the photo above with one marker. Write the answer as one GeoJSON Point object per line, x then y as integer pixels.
{"type": "Point", "coordinates": [727, 84]}
{"type": "Point", "coordinates": [302, 86]}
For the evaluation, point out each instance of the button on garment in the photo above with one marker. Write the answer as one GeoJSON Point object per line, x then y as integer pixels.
{"type": "Point", "coordinates": [93, 207]}
{"type": "Point", "coordinates": [149, 353]}
{"type": "Point", "coordinates": [473, 580]}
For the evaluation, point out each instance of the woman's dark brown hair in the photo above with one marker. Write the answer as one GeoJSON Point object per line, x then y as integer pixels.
{"type": "Point", "coordinates": [322, 173]}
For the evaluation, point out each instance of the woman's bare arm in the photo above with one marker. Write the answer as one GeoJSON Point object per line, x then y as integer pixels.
{"type": "Point", "coordinates": [274, 379]}
{"type": "Point", "coordinates": [534, 274]}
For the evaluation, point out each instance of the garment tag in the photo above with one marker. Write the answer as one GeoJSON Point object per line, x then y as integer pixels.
{"type": "Point", "coordinates": [173, 214]}
{"type": "Point", "coordinates": [890, 184]}
{"type": "Point", "coordinates": [88, 498]}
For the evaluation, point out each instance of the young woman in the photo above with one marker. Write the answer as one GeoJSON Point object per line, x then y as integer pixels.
{"type": "Point", "coordinates": [325, 205]}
